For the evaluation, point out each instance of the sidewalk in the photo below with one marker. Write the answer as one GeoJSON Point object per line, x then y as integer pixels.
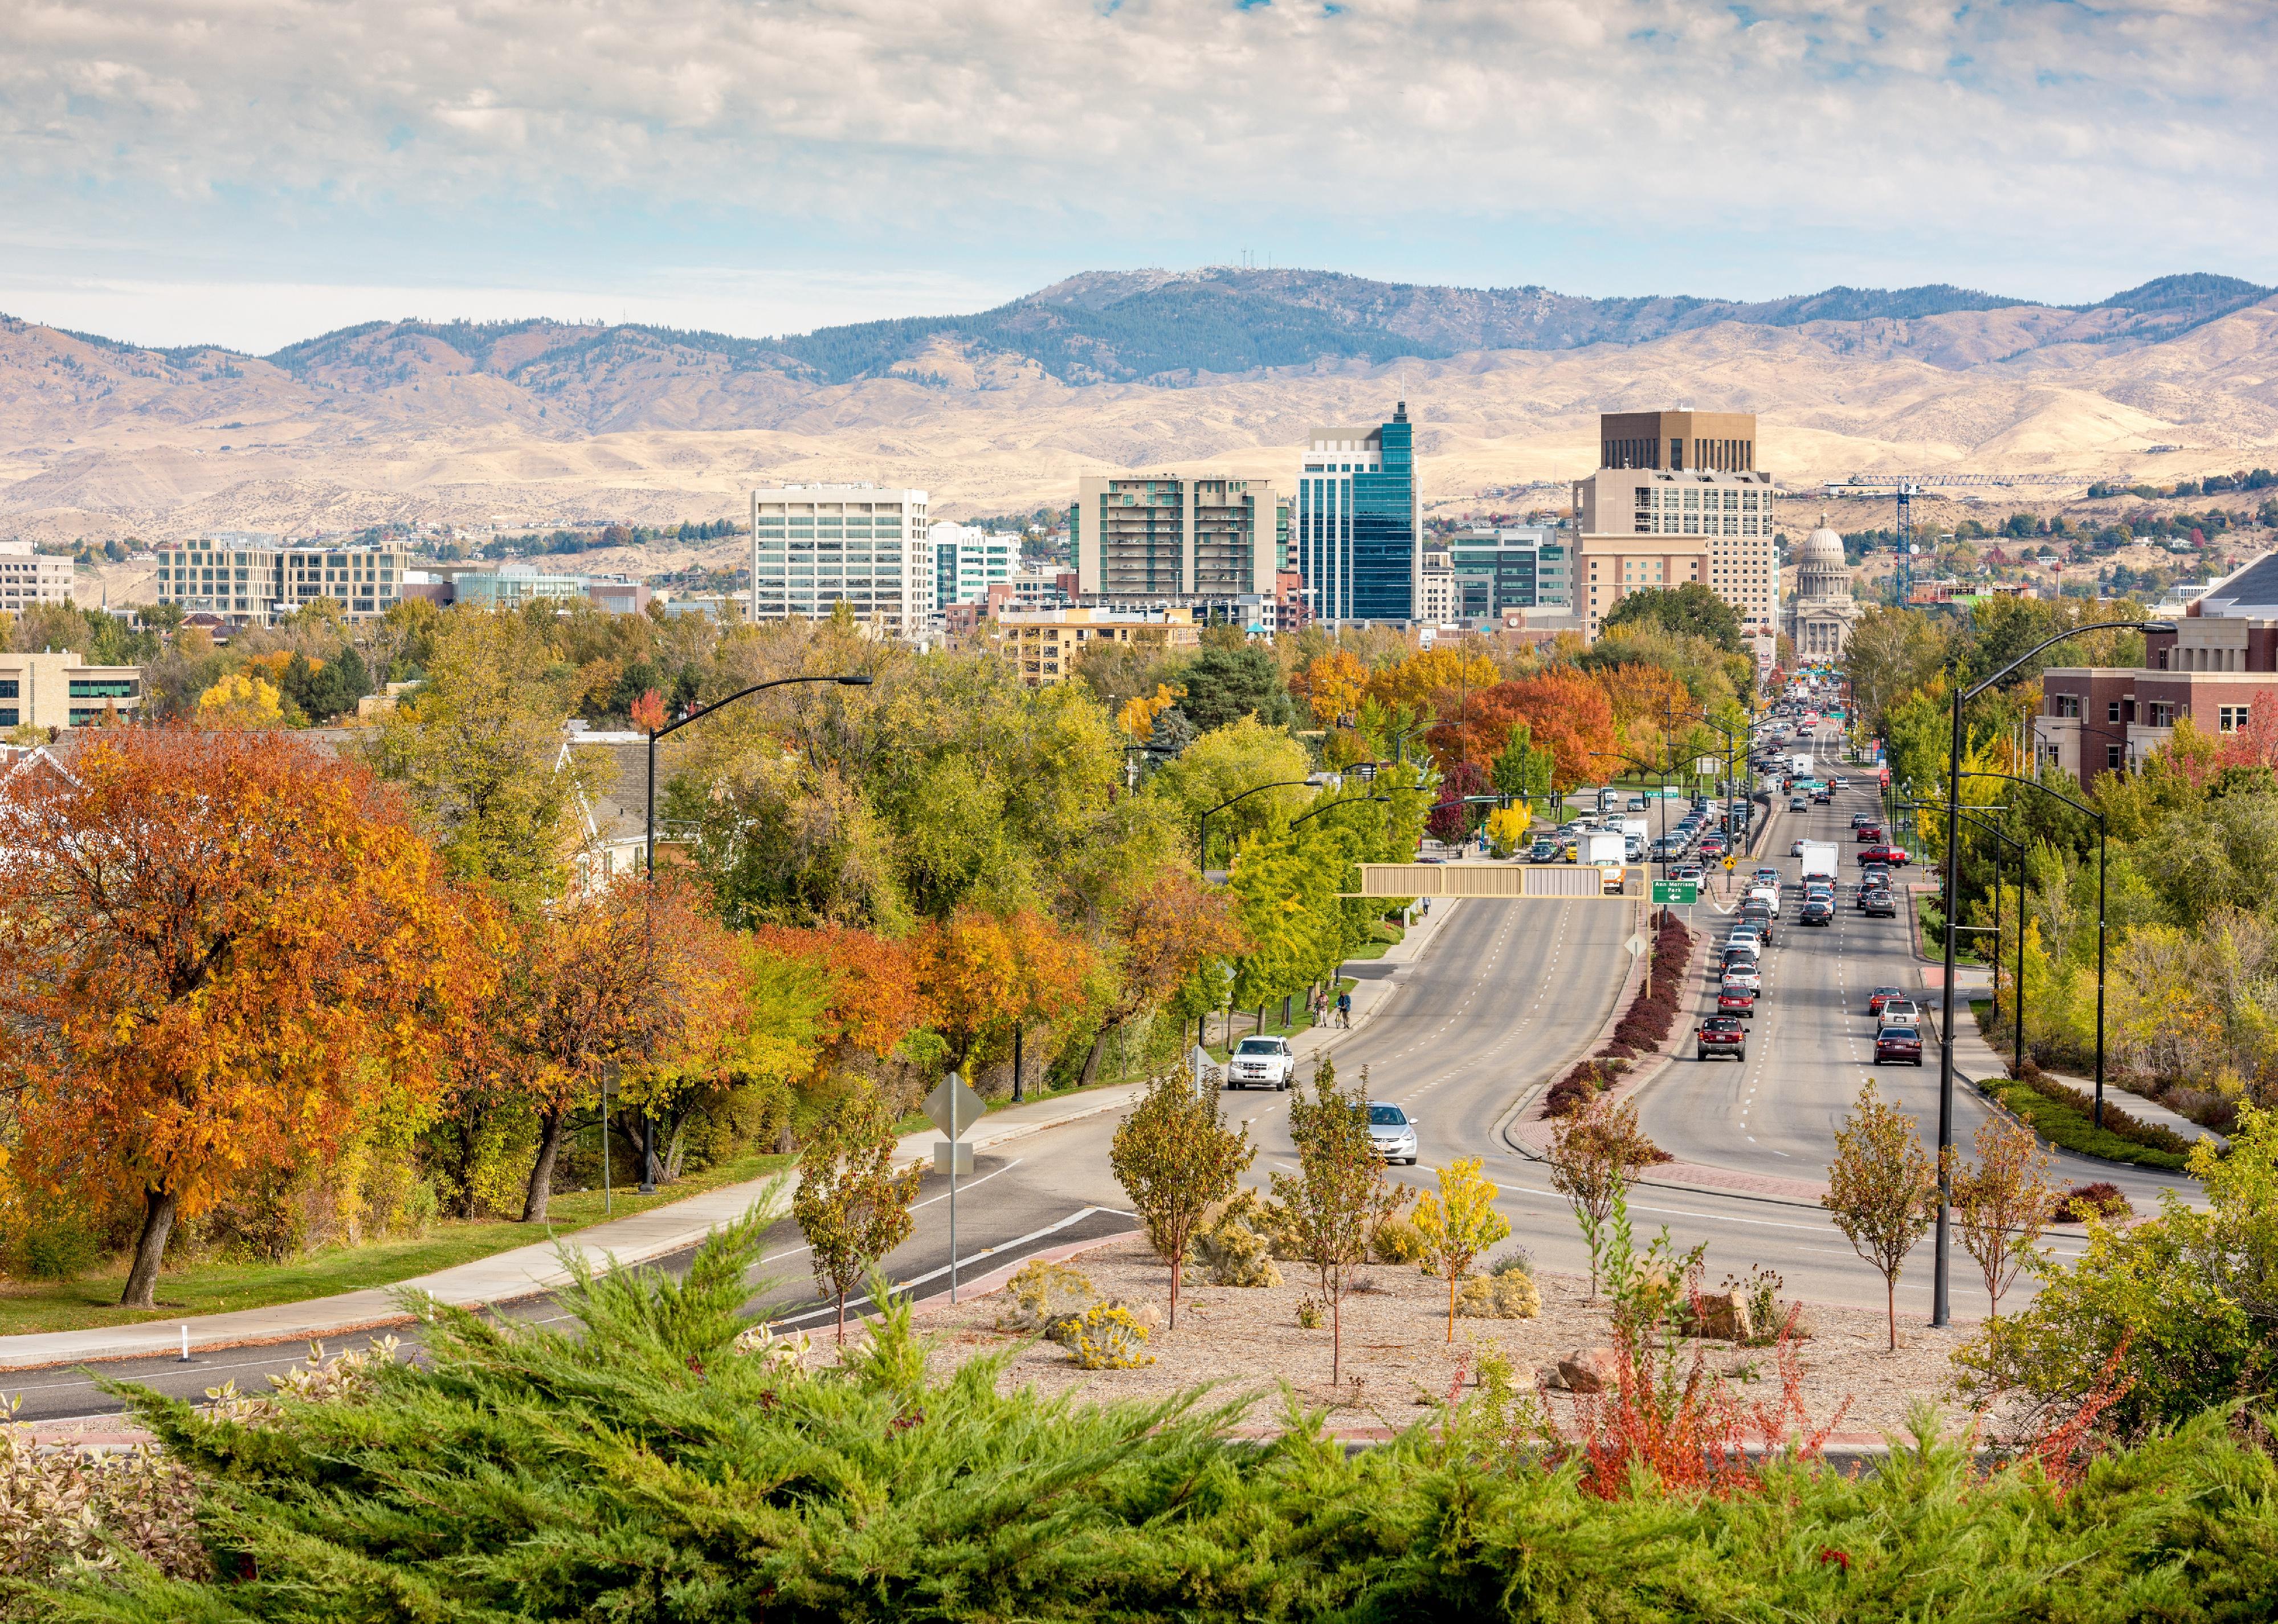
{"type": "Point", "coordinates": [528, 1271]}
{"type": "Point", "coordinates": [1975, 1060]}
{"type": "Point", "coordinates": [508, 1276]}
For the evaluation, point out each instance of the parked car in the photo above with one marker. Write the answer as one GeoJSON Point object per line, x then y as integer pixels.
{"type": "Point", "coordinates": [1393, 1132]}
{"type": "Point", "coordinates": [1898, 1043]}
{"type": "Point", "coordinates": [1881, 996]}
{"type": "Point", "coordinates": [1260, 1062]}
{"type": "Point", "coordinates": [1733, 1001]}
{"type": "Point", "coordinates": [1818, 911]}
{"type": "Point", "coordinates": [1721, 1034]}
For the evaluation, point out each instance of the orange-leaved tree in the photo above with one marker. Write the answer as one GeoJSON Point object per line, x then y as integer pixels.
{"type": "Point", "coordinates": [1332, 685]}
{"type": "Point", "coordinates": [834, 991]}
{"type": "Point", "coordinates": [982, 975]}
{"type": "Point", "coordinates": [214, 946]}
{"type": "Point", "coordinates": [1569, 716]}
{"type": "Point", "coordinates": [635, 985]}
{"type": "Point", "coordinates": [1644, 698]}
{"type": "Point", "coordinates": [1157, 941]}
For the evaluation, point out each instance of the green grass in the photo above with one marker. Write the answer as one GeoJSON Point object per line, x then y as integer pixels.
{"type": "Point", "coordinates": [202, 1288]}
{"type": "Point", "coordinates": [2060, 1124]}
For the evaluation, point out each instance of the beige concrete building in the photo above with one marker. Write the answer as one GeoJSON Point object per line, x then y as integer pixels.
{"type": "Point", "coordinates": [814, 545]}
{"type": "Point", "coordinates": [249, 581]}
{"type": "Point", "coordinates": [28, 576]}
{"type": "Point", "coordinates": [1041, 643]}
{"type": "Point", "coordinates": [62, 690]}
{"type": "Point", "coordinates": [1642, 528]}
{"type": "Point", "coordinates": [1674, 441]}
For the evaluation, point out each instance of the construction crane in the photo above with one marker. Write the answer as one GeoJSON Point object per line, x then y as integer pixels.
{"type": "Point", "coordinates": [1902, 489]}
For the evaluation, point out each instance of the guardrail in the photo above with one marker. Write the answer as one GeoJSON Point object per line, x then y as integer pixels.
{"type": "Point", "coordinates": [1563, 882]}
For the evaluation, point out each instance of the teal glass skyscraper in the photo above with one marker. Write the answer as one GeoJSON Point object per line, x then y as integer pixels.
{"type": "Point", "coordinates": [1358, 523]}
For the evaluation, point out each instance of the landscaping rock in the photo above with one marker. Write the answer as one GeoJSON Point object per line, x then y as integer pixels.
{"type": "Point", "coordinates": [1589, 1370]}
{"type": "Point", "coordinates": [1724, 1317]}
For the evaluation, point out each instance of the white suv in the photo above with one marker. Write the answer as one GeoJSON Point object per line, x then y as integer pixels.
{"type": "Point", "coordinates": [1261, 1062]}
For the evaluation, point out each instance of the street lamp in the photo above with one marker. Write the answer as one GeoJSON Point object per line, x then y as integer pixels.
{"type": "Point", "coordinates": [1331, 806]}
{"type": "Point", "coordinates": [1941, 1313]}
{"type": "Point", "coordinates": [648, 1127]}
{"type": "Point", "coordinates": [2017, 1060]}
{"type": "Point", "coordinates": [699, 714]}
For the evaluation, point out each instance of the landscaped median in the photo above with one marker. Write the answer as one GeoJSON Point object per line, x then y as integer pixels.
{"type": "Point", "coordinates": [2063, 1115]}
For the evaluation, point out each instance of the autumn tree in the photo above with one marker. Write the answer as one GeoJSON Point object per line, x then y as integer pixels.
{"type": "Point", "coordinates": [478, 747]}
{"type": "Point", "coordinates": [635, 985]}
{"type": "Point", "coordinates": [2001, 1203]}
{"type": "Point", "coordinates": [213, 947]}
{"type": "Point", "coordinates": [1459, 1223]}
{"type": "Point", "coordinates": [1565, 713]}
{"type": "Point", "coordinates": [1882, 1190]}
{"type": "Point", "coordinates": [981, 976]}
{"type": "Point", "coordinates": [1175, 1156]}
{"type": "Point", "coordinates": [1334, 1203]}
{"type": "Point", "coordinates": [1164, 933]}
{"type": "Point", "coordinates": [1332, 685]}
{"type": "Point", "coordinates": [241, 699]}
{"type": "Point", "coordinates": [852, 1207]}
{"type": "Point", "coordinates": [1593, 1153]}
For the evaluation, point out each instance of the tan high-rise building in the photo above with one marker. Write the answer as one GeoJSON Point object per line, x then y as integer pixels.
{"type": "Point", "coordinates": [1717, 442]}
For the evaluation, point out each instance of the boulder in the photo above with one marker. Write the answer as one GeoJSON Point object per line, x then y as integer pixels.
{"type": "Point", "coordinates": [1724, 1317]}
{"type": "Point", "coordinates": [1589, 1370]}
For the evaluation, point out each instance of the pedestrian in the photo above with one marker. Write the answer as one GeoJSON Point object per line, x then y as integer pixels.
{"type": "Point", "coordinates": [1344, 1010]}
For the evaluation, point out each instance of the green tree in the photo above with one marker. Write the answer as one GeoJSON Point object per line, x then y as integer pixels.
{"type": "Point", "coordinates": [1225, 684]}
{"type": "Point", "coordinates": [1459, 1223]}
{"type": "Point", "coordinates": [1593, 1153]}
{"type": "Point", "coordinates": [853, 1208]}
{"type": "Point", "coordinates": [1175, 1156]}
{"type": "Point", "coordinates": [2001, 1203]}
{"type": "Point", "coordinates": [1520, 770]}
{"type": "Point", "coordinates": [1339, 1195]}
{"type": "Point", "coordinates": [479, 748]}
{"type": "Point", "coordinates": [1692, 609]}
{"type": "Point", "coordinates": [1882, 1190]}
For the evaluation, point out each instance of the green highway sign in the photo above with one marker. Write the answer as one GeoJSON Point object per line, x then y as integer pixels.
{"type": "Point", "coordinates": [1675, 893]}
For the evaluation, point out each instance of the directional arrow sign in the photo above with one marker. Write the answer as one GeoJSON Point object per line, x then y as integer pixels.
{"type": "Point", "coordinates": [1672, 893]}
{"type": "Point", "coordinates": [953, 1106]}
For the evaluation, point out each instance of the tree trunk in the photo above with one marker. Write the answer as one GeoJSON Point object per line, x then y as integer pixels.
{"type": "Point", "coordinates": [541, 1171]}
{"type": "Point", "coordinates": [1336, 1334]}
{"type": "Point", "coordinates": [1890, 1302]}
{"type": "Point", "coordinates": [842, 1318]}
{"type": "Point", "coordinates": [1451, 1307]}
{"type": "Point", "coordinates": [1174, 1288]}
{"type": "Point", "coordinates": [159, 1208]}
{"type": "Point", "coordinates": [1091, 1060]}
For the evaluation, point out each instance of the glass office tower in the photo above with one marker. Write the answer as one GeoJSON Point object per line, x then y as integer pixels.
{"type": "Point", "coordinates": [1359, 522]}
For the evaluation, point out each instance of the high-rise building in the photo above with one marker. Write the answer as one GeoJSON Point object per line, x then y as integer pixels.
{"type": "Point", "coordinates": [815, 547]}
{"type": "Point", "coordinates": [28, 576]}
{"type": "Point", "coordinates": [1646, 526]}
{"type": "Point", "coordinates": [1358, 525]}
{"type": "Point", "coordinates": [1207, 544]}
{"type": "Point", "coordinates": [249, 578]}
{"type": "Point", "coordinates": [967, 558]}
{"type": "Point", "coordinates": [1718, 441]}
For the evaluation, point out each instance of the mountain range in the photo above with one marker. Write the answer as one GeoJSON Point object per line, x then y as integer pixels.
{"type": "Point", "coordinates": [543, 421]}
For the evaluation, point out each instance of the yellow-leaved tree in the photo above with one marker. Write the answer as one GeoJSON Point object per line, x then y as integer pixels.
{"type": "Point", "coordinates": [241, 700]}
{"type": "Point", "coordinates": [1459, 1223]}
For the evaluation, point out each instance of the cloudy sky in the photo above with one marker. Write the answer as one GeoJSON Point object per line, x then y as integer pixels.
{"type": "Point", "coordinates": [251, 171]}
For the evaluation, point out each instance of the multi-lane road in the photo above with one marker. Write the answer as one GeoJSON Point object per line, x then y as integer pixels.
{"type": "Point", "coordinates": [1505, 994]}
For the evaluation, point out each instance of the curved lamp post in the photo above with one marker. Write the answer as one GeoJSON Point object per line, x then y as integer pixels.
{"type": "Point", "coordinates": [1940, 1299]}
{"type": "Point", "coordinates": [648, 1127]}
{"type": "Point", "coordinates": [2017, 1057]}
{"type": "Point", "coordinates": [699, 714]}
{"type": "Point", "coordinates": [1331, 806]}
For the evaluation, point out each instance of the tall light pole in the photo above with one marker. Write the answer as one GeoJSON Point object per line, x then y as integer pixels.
{"type": "Point", "coordinates": [1941, 1299]}
{"type": "Point", "coordinates": [1202, 854]}
{"type": "Point", "coordinates": [648, 1127]}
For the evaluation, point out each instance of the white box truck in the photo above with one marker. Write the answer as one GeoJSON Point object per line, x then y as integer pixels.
{"type": "Point", "coordinates": [1604, 849]}
{"type": "Point", "coordinates": [1819, 859]}
{"type": "Point", "coordinates": [1801, 762]}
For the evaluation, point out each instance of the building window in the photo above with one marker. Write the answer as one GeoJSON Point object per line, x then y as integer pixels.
{"type": "Point", "coordinates": [2111, 710]}
{"type": "Point", "coordinates": [2163, 713]}
{"type": "Point", "coordinates": [2231, 718]}
{"type": "Point", "coordinates": [2064, 704]}
{"type": "Point", "coordinates": [2113, 757]}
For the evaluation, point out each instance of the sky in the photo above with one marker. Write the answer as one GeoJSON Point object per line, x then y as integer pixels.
{"type": "Point", "coordinates": [249, 173]}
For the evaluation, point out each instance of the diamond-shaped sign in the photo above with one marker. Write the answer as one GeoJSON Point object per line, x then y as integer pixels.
{"type": "Point", "coordinates": [953, 1106]}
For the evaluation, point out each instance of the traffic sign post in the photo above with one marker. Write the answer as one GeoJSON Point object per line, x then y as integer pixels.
{"type": "Point", "coordinates": [953, 1107]}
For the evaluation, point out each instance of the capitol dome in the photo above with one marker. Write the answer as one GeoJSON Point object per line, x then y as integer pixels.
{"type": "Point", "coordinates": [1823, 545]}
{"type": "Point", "coordinates": [1821, 570]}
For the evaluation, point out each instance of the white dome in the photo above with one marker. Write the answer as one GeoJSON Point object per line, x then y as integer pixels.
{"type": "Point", "coordinates": [1822, 546]}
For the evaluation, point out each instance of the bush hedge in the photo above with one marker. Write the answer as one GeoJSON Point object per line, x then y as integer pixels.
{"type": "Point", "coordinates": [2059, 1114]}
{"type": "Point", "coordinates": [642, 1469]}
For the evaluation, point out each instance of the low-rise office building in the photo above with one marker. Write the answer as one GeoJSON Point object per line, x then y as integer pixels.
{"type": "Point", "coordinates": [1655, 528]}
{"type": "Point", "coordinates": [2217, 668]}
{"type": "Point", "coordinates": [815, 547]}
{"type": "Point", "coordinates": [62, 691]}
{"type": "Point", "coordinates": [28, 576]}
{"type": "Point", "coordinates": [1042, 643]}
{"type": "Point", "coordinates": [250, 580]}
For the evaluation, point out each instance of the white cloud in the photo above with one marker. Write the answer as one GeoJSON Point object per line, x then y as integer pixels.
{"type": "Point", "coordinates": [2034, 131]}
